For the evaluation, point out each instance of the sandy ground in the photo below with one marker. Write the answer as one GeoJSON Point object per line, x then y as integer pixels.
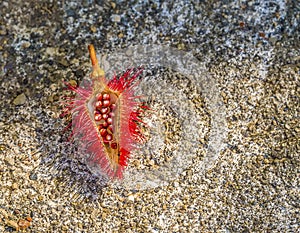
{"type": "Point", "coordinates": [250, 52]}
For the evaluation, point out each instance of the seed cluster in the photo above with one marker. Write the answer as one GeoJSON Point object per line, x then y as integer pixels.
{"type": "Point", "coordinates": [104, 115]}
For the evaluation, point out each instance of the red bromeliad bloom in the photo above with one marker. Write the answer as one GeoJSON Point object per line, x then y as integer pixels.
{"type": "Point", "coordinates": [105, 118]}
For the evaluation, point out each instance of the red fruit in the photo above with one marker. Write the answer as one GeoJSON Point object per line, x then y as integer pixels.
{"type": "Point", "coordinates": [106, 103]}
{"type": "Point", "coordinates": [98, 117]}
{"type": "Point", "coordinates": [106, 96]}
{"type": "Point", "coordinates": [104, 116]}
{"type": "Point", "coordinates": [99, 97]}
{"type": "Point", "coordinates": [114, 145]}
{"type": "Point", "coordinates": [108, 137]}
{"type": "Point", "coordinates": [104, 124]}
{"type": "Point", "coordinates": [110, 129]}
{"type": "Point", "coordinates": [109, 121]}
{"type": "Point", "coordinates": [98, 104]}
{"type": "Point", "coordinates": [104, 110]}
{"type": "Point", "coordinates": [103, 132]}
{"type": "Point", "coordinates": [114, 100]}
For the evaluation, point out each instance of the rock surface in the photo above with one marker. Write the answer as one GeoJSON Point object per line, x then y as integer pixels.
{"type": "Point", "coordinates": [250, 48]}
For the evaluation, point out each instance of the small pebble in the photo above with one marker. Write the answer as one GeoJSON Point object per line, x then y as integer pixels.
{"type": "Point", "coordinates": [116, 18]}
{"type": "Point", "coordinates": [62, 61]}
{"type": "Point", "coordinates": [33, 176]}
{"type": "Point", "coordinates": [26, 45]}
{"type": "Point", "coordinates": [113, 5]}
{"type": "Point", "coordinates": [131, 197]}
{"type": "Point", "coordinates": [93, 29]}
{"type": "Point", "coordinates": [12, 224]}
{"type": "Point", "coordinates": [51, 51]}
{"type": "Point", "coordinates": [14, 186]}
{"type": "Point", "coordinates": [10, 161]}
{"type": "Point", "coordinates": [23, 224]}
{"type": "Point", "coordinates": [20, 99]}
{"type": "Point", "coordinates": [3, 213]}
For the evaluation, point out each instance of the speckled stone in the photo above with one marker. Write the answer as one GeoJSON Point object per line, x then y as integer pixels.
{"type": "Point", "coordinates": [251, 50]}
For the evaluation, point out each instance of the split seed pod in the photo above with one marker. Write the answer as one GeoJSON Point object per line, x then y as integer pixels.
{"type": "Point", "coordinates": [105, 117]}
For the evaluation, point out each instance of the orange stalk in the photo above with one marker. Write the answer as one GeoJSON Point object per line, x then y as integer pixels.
{"type": "Point", "coordinates": [97, 71]}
